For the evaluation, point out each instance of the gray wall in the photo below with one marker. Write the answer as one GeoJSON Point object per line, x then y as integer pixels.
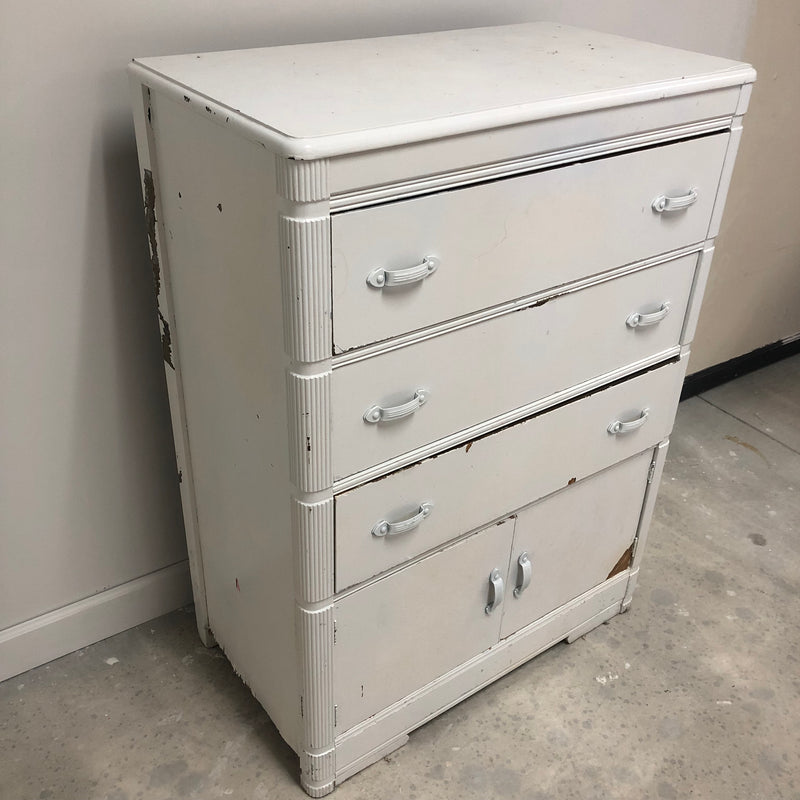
{"type": "Point", "coordinates": [88, 497]}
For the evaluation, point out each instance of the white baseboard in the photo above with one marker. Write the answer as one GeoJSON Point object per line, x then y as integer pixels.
{"type": "Point", "coordinates": [77, 625]}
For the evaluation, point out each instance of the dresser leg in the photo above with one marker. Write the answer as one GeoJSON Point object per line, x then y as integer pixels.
{"type": "Point", "coordinates": [206, 637]}
{"type": "Point", "coordinates": [316, 772]}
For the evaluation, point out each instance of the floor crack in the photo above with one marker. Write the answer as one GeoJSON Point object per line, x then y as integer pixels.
{"type": "Point", "coordinates": [749, 424]}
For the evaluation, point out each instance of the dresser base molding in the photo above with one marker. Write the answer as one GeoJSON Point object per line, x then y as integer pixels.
{"type": "Point", "coordinates": [571, 621]}
{"type": "Point", "coordinates": [372, 757]}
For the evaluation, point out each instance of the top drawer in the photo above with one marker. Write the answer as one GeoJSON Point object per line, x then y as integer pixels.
{"type": "Point", "coordinates": [497, 241]}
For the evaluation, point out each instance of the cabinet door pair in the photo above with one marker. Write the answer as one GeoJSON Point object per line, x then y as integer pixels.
{"type": "Point", "coordinates": [398, 634]}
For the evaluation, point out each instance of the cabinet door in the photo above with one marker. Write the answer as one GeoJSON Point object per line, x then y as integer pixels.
{"type": "Point", "coordinates": [573, 540]}
{"type": "Point", "coordinates": [399, 633]}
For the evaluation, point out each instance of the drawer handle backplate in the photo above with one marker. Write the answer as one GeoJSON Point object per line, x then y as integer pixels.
{"type": "Point", "coordinates": [639, 320]}
{"type": "Point", "coordinates": [375, 414]}
{"type": "Point", "coordinates": [495, 591]}
{"type": "Point", "coordinates": [618, 426]}
{"type": "Point", "coordinates": [385, 528]}
{"type": "Point", "coordinates": [379, 277]}
{"type": "Point", "coordinates": [665, 202]}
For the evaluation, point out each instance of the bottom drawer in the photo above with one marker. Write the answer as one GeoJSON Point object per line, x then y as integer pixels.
{"type": "Point", "coordinates": [404, 631]}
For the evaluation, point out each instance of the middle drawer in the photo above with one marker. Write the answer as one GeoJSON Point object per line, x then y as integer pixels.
{"type": "Point", "coordinates": [469, 486]}
{"type": "Point", "coordinates": [396, 402]}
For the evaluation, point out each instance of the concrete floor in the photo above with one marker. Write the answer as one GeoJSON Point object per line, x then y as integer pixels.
{"type": "Point", "coordinates": [694, 693]}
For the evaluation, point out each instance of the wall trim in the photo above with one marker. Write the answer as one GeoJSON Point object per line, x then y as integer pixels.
{"type": "Point", "coordinates": [48, 636]}
{"type": "Point", "coordinates": [709, 378]}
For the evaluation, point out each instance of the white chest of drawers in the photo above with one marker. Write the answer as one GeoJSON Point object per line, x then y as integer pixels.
{"type": "Point", "coordinates": [426, 305]}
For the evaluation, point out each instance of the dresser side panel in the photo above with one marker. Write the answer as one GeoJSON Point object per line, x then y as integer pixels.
{"type": "Point", "coordinates": [145, 145]}
{"type": "Point", "coordinates": [221, 222]}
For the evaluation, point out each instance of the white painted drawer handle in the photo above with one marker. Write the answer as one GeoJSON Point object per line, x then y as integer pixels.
{"type": "Point", "coordinates": [386, 528]}
{"type": "Point", "coordinates": [618, 426]}
{"type": "Point", "coordinates": [378, 414]}
{"type": "Point", "coordinates": [523, 574]}
{"type": "Point", "coordinates": [664, 202]}
{"type": "Point", "coordinates": [639, 320]}
{"type": "Point", "coordinates": [495, 591]}
{"type": "Point", "coordinates": [380, 277]}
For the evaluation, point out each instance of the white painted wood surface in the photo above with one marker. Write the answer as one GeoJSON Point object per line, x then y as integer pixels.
{"type": "Point", "coordinates": [432, 699]}
{"type": "Point", "coordinates": [411, 627]}
{"type": "Point", "coordinates": [376, 175]}
{"type": "Point", "coordinates": [573, 540]}
{"type": "Point", "coordinates": [483, 480]}
{"type": "Point", "coordinates": [513, 359]}
{"type": "Point", "coordinates": [473, 80]}
{"type": "Point", "coordinates": [515, 237]}
{"type": "Point", "coordinates": [156, 235]}
{"type": "Point", "coordinates": [221, 253]}
{"type": "Point", "coordinates": [351, 640]}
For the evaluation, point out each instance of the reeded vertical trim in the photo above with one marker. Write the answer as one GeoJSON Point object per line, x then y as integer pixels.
{"type": "Point", "coordinates": [316, 645]}
{"type": "Point", "coordinates": [303, 181]}
{"type": "Point", "coordinates": [312, 527]}
{"type": "Point", "coordinates": [309, 403]}
{"type": "Point", "coordinates": [306, 287]}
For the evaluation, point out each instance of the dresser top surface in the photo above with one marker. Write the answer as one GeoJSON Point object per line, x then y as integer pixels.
{"type": "Point", "coordinates": [346, 95]}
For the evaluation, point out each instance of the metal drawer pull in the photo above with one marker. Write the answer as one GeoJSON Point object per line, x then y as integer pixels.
{"type": "Point", "coordinates": [376, 414]}
{"type": "Point", "coordinates": [639, 320]}
{"type": "Point", "coordinates": [664, 202]}
{"type": "Point", "coordinates": [495, 591]}
{"type": "Point", "coordinates": [618, 426]}
{"type": "Point", "coordinates": [386, 528]}
{"type": "Point", "coordinates": [523, 574]}
{"type": "Point", "coordinates": [380, 277]}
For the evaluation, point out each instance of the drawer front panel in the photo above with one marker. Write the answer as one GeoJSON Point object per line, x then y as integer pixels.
{"type": "Point", "coordinates": [478, 372]}
{"type": "Point", "coordinates": [471, 485]}
{"type": "Point", "coordinates": [400, 633]}
{"type": "Point", "coordinates": [573, 541]}
{"type": "Point", "coordinates": [515, 237]}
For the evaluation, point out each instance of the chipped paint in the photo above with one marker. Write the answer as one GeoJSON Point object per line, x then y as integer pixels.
{"type": "Point", "coordinates": [150, 218]}
{"type": "Point", "coordinates": [571, 481]}
{"type": "Point", "coordinates": [623, 563]}
{"type": "Point", "coordinates": [166, 340]}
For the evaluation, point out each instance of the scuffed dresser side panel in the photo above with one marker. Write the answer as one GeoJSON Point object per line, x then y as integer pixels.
{"type": "Point", "coordinates": [220, 217]}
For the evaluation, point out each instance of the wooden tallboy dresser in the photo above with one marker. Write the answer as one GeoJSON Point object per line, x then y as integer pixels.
{"type": "Point", "coordinates": [426, 305]}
